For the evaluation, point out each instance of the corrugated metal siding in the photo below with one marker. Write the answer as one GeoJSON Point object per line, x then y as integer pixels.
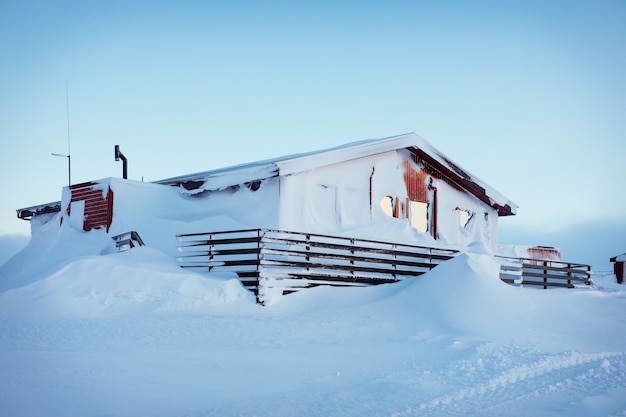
{"type": "Point", "coordinates": [415, 181]}
{"type": "Point", "coordinates": [98, 209]}
{"type": "Point", "coordinates": [435, 173]}
{"type": "Point", "coordinates": [542, 253]}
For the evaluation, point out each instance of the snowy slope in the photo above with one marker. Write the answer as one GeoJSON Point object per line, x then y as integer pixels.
{"type": "Point", "coordinates": [88, 331]}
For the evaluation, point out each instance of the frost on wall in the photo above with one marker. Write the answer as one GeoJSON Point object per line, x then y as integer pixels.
{"type": "Point", "coordinates": [464, 220]}
{"type": "Point", "coordinates": [327, 200]}
{"type": "Point", "coordinates": [393, 190]}
{"type": "Point", "coordinates": [436, 206]}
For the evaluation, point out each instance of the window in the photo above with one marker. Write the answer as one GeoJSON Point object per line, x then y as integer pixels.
{"type": "Point", "coordinates": [419, 216]}
{"type": "Point", "coordinates": [465, 218]}
{"type": "Point", "coordinates": [416, 212]}
{"type": "Point", "coordinates": [394, 207]}
{"type": "Point", "coordinates": [386, 204]}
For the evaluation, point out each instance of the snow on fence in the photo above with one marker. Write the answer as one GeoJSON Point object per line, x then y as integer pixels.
{"type": "Point", "coordinates": [543, 273]}
{"type": "Point", "coordinates": [274, 262]}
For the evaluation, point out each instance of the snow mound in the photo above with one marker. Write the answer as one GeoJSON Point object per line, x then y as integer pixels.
{"type": "Point", "coordinates": [140, 281]}
{"type": "Point", "coordinates": [52, 247]}
{"type": "Point", "coordinates": [102, 327]}
{"type": "Point", "coordinates": [464, 298]}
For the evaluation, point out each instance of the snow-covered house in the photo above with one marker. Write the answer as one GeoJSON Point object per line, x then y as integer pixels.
{"type": "Point", "coordinates": [400, 182]}
{"type": "Point", "coordinates": [397, 191]}
{"type": "Point", "coordinates": [352, 187]}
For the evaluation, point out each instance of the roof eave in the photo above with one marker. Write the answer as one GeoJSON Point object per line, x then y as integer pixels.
{"type": "Point", "coordinates": [467, 181]}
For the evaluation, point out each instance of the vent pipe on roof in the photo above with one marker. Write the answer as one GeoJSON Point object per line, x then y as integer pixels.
{"type": "Point", "coordinates": [119, 155]}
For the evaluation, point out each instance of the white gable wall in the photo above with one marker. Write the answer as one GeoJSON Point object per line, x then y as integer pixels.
{"type": "Point", "coordinates": [344, 198]}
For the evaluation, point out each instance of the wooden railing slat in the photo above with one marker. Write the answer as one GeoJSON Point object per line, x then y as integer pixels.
{"type": "Point", "coordinates": [295, 260]}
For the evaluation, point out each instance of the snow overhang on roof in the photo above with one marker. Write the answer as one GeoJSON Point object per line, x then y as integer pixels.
{"type": "Point", "coordinates": [619, 258]}
{"type": "Point", "coordinates": [27, 213]}
{"type": "Point", "coordinates": [467, 181]}
{"type": "Point", "coordinates": [225, 177]}
{"type": "Point", "coordinates": [287, 165]}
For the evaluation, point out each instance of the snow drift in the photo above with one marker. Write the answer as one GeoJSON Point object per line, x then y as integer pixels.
{"type": "Point", "coordinates": [87, 330]}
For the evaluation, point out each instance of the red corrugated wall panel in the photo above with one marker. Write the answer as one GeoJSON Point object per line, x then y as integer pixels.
{"type": "Point", "coordinates": [98, 208]}
{"type": "Point", "coordinates": [415, 181]}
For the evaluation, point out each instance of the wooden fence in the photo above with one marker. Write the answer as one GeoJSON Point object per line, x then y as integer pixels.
{"type": "Point", "coordinates": [274, 262]}
{"type": "Point", "coordinates": [543, 273]}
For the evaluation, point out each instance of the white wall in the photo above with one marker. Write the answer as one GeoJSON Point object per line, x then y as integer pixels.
{"type": "Point", "coordinates": [330, 200]}
{"type": "Point", "coordinates": [336, 200]}
{"type": "Point", "coordinates": [482, 226]}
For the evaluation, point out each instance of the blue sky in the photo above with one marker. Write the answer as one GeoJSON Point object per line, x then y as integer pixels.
{"type": "Point", "coordinates": [529, 96]}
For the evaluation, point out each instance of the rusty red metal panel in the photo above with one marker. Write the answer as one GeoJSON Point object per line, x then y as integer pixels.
{"type": "Point", "coordinates": [544, 252]}
{"type": "Point", "coordinates": [457, 180]}
{"type": "Point", "coordinates": [415, 181]}
{"type": "Point", "coordinates": [98, 206]}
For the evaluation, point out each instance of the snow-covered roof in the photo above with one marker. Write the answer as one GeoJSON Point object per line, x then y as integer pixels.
{"type": "Point", "coordinates": [619, 258]}
{"type": "Point", "coordinates": [292, 164]}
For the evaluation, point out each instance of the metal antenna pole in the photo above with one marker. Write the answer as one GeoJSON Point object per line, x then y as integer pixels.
{"type": "Point", "coordinates": [67, 105]}
{"type": "Point", "coordinates": [69, 159]}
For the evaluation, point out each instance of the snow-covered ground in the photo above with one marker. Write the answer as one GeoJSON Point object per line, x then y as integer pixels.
{"type": "Point", "coordinates": [89, 331]}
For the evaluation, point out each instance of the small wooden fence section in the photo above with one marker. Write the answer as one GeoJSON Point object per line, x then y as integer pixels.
{"type": "Point", "coordinates": [273, 262]}
{"type": "Point", "coordinates": [127, 241]}
{"type": "Point", "coordinates": [543, 273]}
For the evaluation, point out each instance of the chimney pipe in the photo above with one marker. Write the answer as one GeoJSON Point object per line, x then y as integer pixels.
{"type": "Point", "coordinates": [119, 155]}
